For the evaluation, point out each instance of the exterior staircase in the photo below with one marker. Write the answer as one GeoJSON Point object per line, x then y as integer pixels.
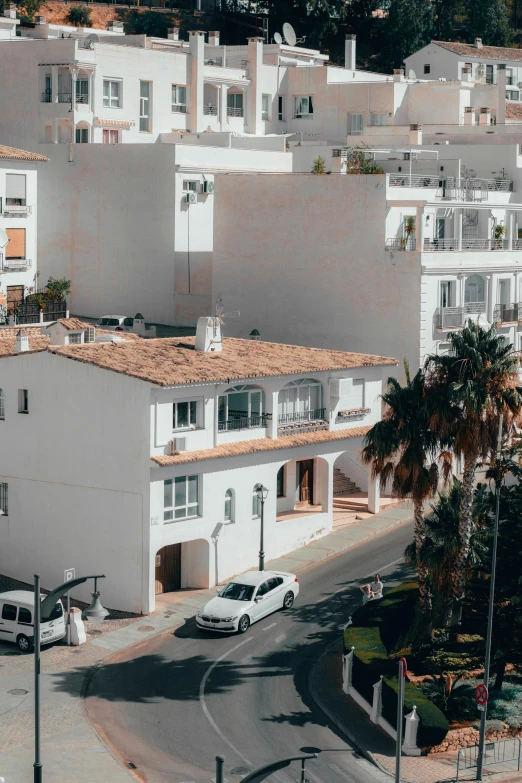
{"type": "Point", "coordinates": [343, 487]}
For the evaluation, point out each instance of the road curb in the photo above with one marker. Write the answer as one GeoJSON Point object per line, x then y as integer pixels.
{"type": "Point", "coordinates": [338, 724]}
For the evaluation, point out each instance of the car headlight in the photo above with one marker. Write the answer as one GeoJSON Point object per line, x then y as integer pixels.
{"type": "Point", "coordinates": [229, 619]}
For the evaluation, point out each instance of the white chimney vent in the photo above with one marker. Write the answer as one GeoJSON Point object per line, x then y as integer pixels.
{"type": "Point", "coordinates": [21, 342]}
{"type": "Point", "coordinates": [173, 33]}
{"type": "Point", "coordinates": [10, 11]}
{"type": "Point", "coordinates": [213, 37]}
{"type": "Point", "coordinates": [478, 43]}
{"type": "Point", "coordinates": [349, 52]}
{"type": "Point", "coordinates": [39, 20]}
{"type": "Point", "coordinates": [208, 335]}
{"type": "Point", "coordinates": [115, 26]}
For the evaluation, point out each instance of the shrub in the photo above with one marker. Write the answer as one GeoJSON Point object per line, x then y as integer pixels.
{"type": "Point", "coordinates": [433, 726]}
{"type": "Point", "coordinates": [80, 16]}
{"type": "Point", "coordinates": [369, 658]}
{"type": "Point", "coordinates": [319, 166]}
{"type": "Point", "coordinates": [391, 614]}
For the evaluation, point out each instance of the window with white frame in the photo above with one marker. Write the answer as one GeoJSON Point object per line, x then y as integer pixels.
{"type": "Point", "coordinates": [179, 99]}
{"type": "Point", "coordinates": [378, 119]}
{"type": "Point", "coordinates": [82, 135]}
{"type": "Point", "coordinates": [447, 293]}
{"type": "Point", "coordinates": [265, 107]}
{"type": "Point", "coordinates": [355, 124]}
{"type": "Point", "coordinates": [145, 118]}
{"type": "Point", "coordinates": [110, 136]}
{"type": "Point", "coordinates": [112, 93]}
{"type": "Point", "coordinates": [300, 400]}
{"type": "Point", "coordinates": [2, 404]}
{"type": "Point", "coordinates": [241, 407]}
{"type": "Point", "coordinates": [184, 415]}
{"type": "Point", "coordinates": [281, 482]}
{"type": "Point", "coordinates": [3, 499]}
{"type": "Point", "coordinates": [280, 108]}
{"type": "Point", "coordinates": [75, 338]}
{"type": "Point", "coordinates": [15, 190]}
{"type": "Point", "coordinates": [256, 503]}
{"type": "Point", "coordinates": [180, 498]}
{"type": "Point", "coordinates": [235, 104]}
{"type": "Point", "coordinates": [229, 505]}
{"type": "Point", "coordinates": [190, 185]}
{"type": "Point", "coordinates": [23, 401]}
{"type": "Point", "coordinates": [303, 106]}
{"type": "Point", "coordinates": [512, 95]}
{"type": "Point", "coordinates": [509, 76]}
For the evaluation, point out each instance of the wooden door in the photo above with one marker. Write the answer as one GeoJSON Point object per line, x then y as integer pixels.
{"type": "Point", "coordinates": [305, 474]}
{"type": "Point", "coordinates": [168, 569]}
{"type": "Point", "coordinates": [15, 297]}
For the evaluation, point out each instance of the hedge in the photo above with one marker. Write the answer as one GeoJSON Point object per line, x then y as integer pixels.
{"type": "Point", "coordinates": [376, 628]}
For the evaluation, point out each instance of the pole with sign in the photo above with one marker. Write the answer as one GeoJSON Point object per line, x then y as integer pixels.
{"type": "Point", "coordinates": [68, 576]}
{"type": "Point", "coordinates": [400, 713]}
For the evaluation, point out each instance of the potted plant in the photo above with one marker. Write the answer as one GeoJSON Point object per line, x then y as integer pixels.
{"type": "Point", "coordinates": [499, 232]}
{"type": "Point", "coordinates": [409, 228]}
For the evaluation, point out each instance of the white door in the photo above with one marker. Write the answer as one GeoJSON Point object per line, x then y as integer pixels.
{"type": "Point", "coordinates": [8, 622]}
{"type": "Point", "coordinates": [276, 593]}
{"type": "Point", "coordinates": [262, 607]}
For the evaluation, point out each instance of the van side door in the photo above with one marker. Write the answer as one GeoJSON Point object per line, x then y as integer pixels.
{"type": "Point", "coordinates": [8, 614]}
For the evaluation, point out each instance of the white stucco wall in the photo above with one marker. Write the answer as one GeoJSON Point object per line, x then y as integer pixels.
{"type": "Point", "coordinates": [24, 276]}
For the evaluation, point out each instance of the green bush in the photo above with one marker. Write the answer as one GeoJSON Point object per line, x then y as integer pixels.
{"type": "Point", "coordinates": [370, 659]}
{"type": "Point", "coordinates": [392, 614]}
{"type": "Point", "coordinates": [433, 726]}
{"type": "Point", "coordinates": [80, 16]}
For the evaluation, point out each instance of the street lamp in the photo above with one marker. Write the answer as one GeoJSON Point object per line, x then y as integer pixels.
{"type": "Point", "coordinates": [262, 494]}
{"type": "Point", "coordinates": [42, 610]}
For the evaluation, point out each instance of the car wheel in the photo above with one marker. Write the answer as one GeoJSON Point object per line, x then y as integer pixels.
{"type": "Point", "coordinates": [244, 624]}
{"type": "Point", "coordinates": [24, 644]}
{"type": "Point", "coordinates": [288, 601]}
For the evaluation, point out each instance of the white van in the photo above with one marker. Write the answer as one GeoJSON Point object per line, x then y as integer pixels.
{"type": "Point", "coordinates": [17, 620]}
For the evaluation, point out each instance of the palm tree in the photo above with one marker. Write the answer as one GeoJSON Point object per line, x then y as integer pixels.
{"type": "Point", "coordinates": [440, 547]}
{"type": "Point", "coordinates": [472, 385]}
{"type": "Point", "coordinates": [402, 448]}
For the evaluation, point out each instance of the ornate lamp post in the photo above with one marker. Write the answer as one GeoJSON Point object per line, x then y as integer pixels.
{"type": "Point", "coordinates": [262, 494]}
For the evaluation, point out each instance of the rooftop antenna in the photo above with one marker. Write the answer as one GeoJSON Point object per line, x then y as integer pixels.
{"type": "Point", "coordinates": [289, 34]}
{"type": "Point", "coordinates": [220, 314]}
{"type": "Point", "coordinates": [278, 38]}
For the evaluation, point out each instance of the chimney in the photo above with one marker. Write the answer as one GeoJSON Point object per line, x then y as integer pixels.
{"type": "Point", "coordinates": [349, 52]}
{"type": "Point", "coordinates": [173, 33]}
{"type": "Point", "coordinates": [39, 20]}
{"type": "Point", "coordinates": [254, 105]}
{"type": "Point", "coordinates": [415, 135]}
{"type": "Point", "coordinates": [398, 74]}
{"type": "Point", "coordinates": [10, 11]}
{"type": "Point", "coordinates": [254, 334]}
{"type": "Point", "coordinates": [213, 37]}
{"type": "Point", "coordinates": [478, 43]}
{"type": "Point", "coordinates": [470, 118]}
{"type": "Point", "coordinates": [208, 335]}
{"type": "Point", "coordinates": [115, 26]}
{"type": "Point", "coordinates": [466, 74]}
{"type": "Point", "coordinates": [485, 115]}
{"type": "Point", "coordinates": [21, 342]}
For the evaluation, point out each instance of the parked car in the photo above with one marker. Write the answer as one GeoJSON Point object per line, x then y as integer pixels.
{"type": "Point", "coordinates": [247, 599]}
{"type": "Point", "coordinates": [17, 620]}
{"type": "Point", "coordinates": [115, 323]}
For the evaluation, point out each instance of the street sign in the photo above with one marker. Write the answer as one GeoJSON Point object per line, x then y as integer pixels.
{"type": "Point", "coordinates": [481, 707]}
{"type": "Point", "coordinates": [481, 694]}
{"type": "Point", "coordinates": [68, 575]}
{"type": "Point", "coordinates": [404, 666]}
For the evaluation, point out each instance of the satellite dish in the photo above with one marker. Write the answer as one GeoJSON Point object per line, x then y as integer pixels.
{"type": "Point", "coordinates": [412, 74]}
{"type": "Point", "coordinates": [93, 37]}
{"type": "Point", "coordinates": [289, 34]}
{"type": "Point", "coordinates": [278, 38]}
{"type": "Point", "coordinates": [4, 239]}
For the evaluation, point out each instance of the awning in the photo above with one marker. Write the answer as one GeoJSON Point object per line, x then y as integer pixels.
{"type": "Point", "coordinates": [114, 123]}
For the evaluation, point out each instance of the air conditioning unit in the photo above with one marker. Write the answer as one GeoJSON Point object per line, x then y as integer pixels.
{"type": "Point", "coordinates": [191, 198]}
{"type": "Point", "coordinates": [208, 187]}
{"type": "Point", "coordinates": [341, 387]}
{"type": "Point", "coordinates": [177, 445]}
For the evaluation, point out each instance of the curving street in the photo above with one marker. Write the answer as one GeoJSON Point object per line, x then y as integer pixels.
{"type": "Point", "coordinates": [169, 706]}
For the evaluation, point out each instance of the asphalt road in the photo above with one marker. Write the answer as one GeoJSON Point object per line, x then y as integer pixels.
{"type": "Point", "coordinates": [173, 704]}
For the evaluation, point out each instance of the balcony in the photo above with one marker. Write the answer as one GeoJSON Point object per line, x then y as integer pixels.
{"type": "Point", "coordinates": [434, 245]}
{"type": "Point", "coordinates": [414, 181]}
{"type": "Point", "coordinates": [214, 61]}
{"type": "Point", "coordinates": [15, 264]}
{"type": "Point", "coordinates": [400, 243]}
{"type": "Point", "coordinates": [17, 210]}
{"type": "Point", "coordinates": [301, 421]}
{"type": "Point", "coordinates": [354, 414]}
{"type": "Point", "coordinates": [209, 109]}
{"type": "Point", "coordinates": [453, 188]}
{"type": "Point", "coordinates": [507, 313]}
{"type": "Point", "coordinates": [232, 112]}
{"type": "Point", "coordinates": [82, 98]}
{"type": "Point", "coordinates": [239, 420]}
{"type": "Point", "coordinates": [456, 317]}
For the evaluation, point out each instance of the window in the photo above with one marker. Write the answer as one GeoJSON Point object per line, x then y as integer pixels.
{"type": "Point", "coordinates": [265, 107]}
{"type": "Point", "coordinates": [489, 75]}
{"type": "Point", "coordinates": [23, 401]}
{"type": "Point", "coordinates": [82, 91]}
{"type": "Point", "coordinates": [355, 124]}
{"type": "Point", "coordinates": [112, 93]}
{"type": "Point", "coordinates": [15, 194]}
{"type": "Point", "coordinates": [446, 293]}
{"type": "Point", "coordinates": [145, 124]}
{"type": "Point", "coordinates": [181, 498]}
{"type": "Point", "coordinates": [427, 68]}
{"type": "Point", "coordinates": [229, 505]}
{"type": "Point", "coordinates": [280, 109]}
{"type": "Point", "coordinates": [378, 119]}
{"type": "Point", "coordinates": [235, 104]}
{"type": "Point", "coordinates": [300, 401]}
{"type": "Point", "coordinates": [242, 406]}
{"type": "Point", "coordinates": [262, 589]}
{"type": "Point", "coordinates": [16, 246]}
{"type": "Point", "coordinates": [281, 482]}
{"type": "Point", "coordinates": [509, 76]}
{"type": "Point", "coordinates": [3, 499]}
{"type": "Point", "coordinates": [190, 185]}
{"type": "Point", "coordinates": [75, 338]}
{"type": "Point", "coordinates": [110, 136]}
{"type": "Point", "coordinates": [503, 291]}
{"type": "Point", "coordinates": [2, 404]}
{"type": "Point", "coordinates": [179, 99]}
{"type": "Point", "coordinates": [82, 135]}
{"type": "Point", "coordinates": [470, 66]}
{"type": "Point", "coordinates": [184, 414]}
{"type": "Point", "coordinates": [512, 95]}
{"type": "Point", "coordinates": [440, 227]}
{"type": "Point", "coordinates": [24, 616]}
{"type": "Point", "coordinates": [256, 503]}
{"type": "Point", "coordinates": [474, 289]}
{"type": "Point", "coordinates": [303, 106]}
{"type": "Point", "coordinates": [9, 612]}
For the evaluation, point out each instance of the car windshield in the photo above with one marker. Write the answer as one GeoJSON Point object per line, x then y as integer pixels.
{"type": "Point", "coordinates": [237, 592]}
{"type": "Point", "coordinates": [108, 322]}
{"type": "Point", "coordinates": [55, 614]}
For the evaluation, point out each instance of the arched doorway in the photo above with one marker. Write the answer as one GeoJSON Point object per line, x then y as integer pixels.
{"type": "Point", "coordinates": [168, 569]}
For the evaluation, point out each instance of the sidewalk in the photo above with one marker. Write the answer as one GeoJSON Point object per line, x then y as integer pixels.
{"type": "Point", "coordinates": [325, 684]}
{"type": "Point", "coordinates": [71, 750]}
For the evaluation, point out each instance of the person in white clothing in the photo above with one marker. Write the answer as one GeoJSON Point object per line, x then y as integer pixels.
{"type": "Point", "coordinates": [367, 594]}
{"type": "Point", "coordinates": [377, 587]}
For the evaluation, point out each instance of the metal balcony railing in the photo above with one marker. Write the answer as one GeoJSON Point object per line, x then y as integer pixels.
{"type": "Point", "coordinates": [456, 317]}
{"type": "Point", "coordinates": [433, 245]}
{"type": "Point", "coordinates": [64, 97]}
{"type": "Point", "coordinates": [179, 108]}
{"type": "Point", "coordinates": [414, 181]}
{"type": "Point", "coordinates": [505, 313]}
{"type": "Point", "coordinates": [210, 110]}
{"type": "Point", "coordinates": [401, 243]}
{"type": "Point", "coordinates": [233, 112]}
{"type": "Point", "coordinates": [316, 414]}
{"type": "Point", "coordinates": [46, 97]}
{"type": "Point", "coordinates": [239, 421]}
{"type": "Point", "coordinates": [82, 98]}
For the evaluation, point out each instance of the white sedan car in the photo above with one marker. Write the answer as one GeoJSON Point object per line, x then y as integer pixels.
{"type": "Point", "coordinates": [247, 599]}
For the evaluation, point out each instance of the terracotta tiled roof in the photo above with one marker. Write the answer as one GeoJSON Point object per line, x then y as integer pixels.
{"type": "Point", "coordinates": [263, 444]}
{"type": "Point", "coordinates": [11, 153]}
{"type": "Point", "coordinates": [513, 111]}
{"type": "Point", "coordinates": [37, 341]}
{"type": "Point", "coordinates": [73, 324]}
{"type": "Point", "coordinates": [487, 52]}
{"type": "Point", "coordinates": [173, 361]}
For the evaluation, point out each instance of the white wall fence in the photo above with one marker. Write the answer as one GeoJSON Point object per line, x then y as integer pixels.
{"type": "Point", "coordinates": [374, 710]}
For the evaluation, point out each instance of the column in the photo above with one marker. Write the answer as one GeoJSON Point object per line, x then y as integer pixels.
{"type": "Point", "coordinates": [458, 218]}
{"type": "Point", "coordinates": [54, 137]}
{"type": "Point", "coordinates": [54, 83]}
{"type": "Point", "coordinates": [419, 228]}
{"type": "Point", "coordinates": [74, 77]}
{"type": "Point", "coordinates": [223, 119]}
{"type": "Point", "coordinates": [91, 92]}
{"type": "Point", "coordinates": [409, 745]}
{"type": "Point", "coordinates": [197, 64]}
{"type": "Point", "coordinates": [510, 225]}
{"type": "Point", "coordinates": [374, 494]}
{"type": "Point", "coordinates": [271, 402]}
{"type": "Point", "coordinates": [490, 284]}
{"type": "Point", "coordinates": [255, 64]}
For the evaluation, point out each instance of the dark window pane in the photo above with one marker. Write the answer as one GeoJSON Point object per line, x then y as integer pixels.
{"type": "Point", "coordinates": [183, 412]}
{"type": "Point", "coordinates": [9, 612]}
{"type": "Point", "coordinates": [24, 616]}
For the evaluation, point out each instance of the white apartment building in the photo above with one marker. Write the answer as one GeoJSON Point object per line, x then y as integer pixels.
{"type": "Point", "coordinates": [18, 225]}
{"type": "Point", "coordinates": [170, 501]}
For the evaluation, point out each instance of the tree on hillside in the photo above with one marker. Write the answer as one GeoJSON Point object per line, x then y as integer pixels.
{"type": "Point", "coordinates": [80, 16]}
{"type": "Point", "coordinates": [409, 27]}
{"type": "Point", "coordinates": [488, 19]}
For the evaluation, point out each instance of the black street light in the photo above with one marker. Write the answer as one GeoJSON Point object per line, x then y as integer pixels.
{"type": "Point", "coordinates": [42, 611]}
{"type": "Point", "coordinates": [262, 494]}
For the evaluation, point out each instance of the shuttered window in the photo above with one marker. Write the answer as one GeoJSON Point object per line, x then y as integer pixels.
{"type": "Point", "coordinates": [15, 189]}
{"type": "Point", "coordinates": [16, 246]}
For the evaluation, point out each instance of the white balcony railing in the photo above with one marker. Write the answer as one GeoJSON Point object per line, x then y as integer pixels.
{"type": "Point", "coordinates": [415, 181]}
{"type": "Point", "coordinates": [20, 210]}
{"type": "Point", "coordinates": [456, 317]}
{"type": "Point", "coordinates": [15, 264]}
{"type": "Point", "coordinates": [434, 245]}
